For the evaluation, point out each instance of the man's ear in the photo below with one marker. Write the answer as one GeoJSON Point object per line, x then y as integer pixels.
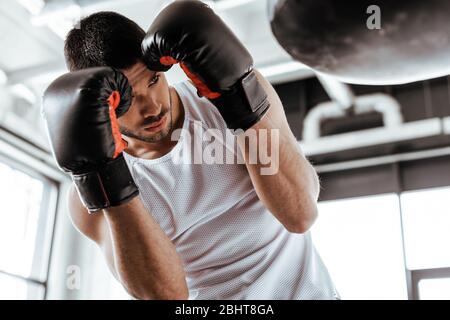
{"type": "Point", "coordinates": [125, 141]}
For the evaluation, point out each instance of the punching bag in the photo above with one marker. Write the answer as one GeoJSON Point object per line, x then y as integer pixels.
{"type": "Point", "coordinates": [377, 42]}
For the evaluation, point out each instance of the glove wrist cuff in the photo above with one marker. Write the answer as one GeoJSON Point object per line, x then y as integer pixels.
{"type": "Point", "coordinates": [244, 105]}
{"type": "Point", "coordinates": [108, 186]}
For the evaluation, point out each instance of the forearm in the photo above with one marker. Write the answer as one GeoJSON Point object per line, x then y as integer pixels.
{"type": "Point", "coordinates": [145, 259]}
{"type": "Point", "coordinates": [291, 192]}
{"type": "Point", "coordinates": [295, 170]}
{"type": "Point", "coordinates": [287, 184]}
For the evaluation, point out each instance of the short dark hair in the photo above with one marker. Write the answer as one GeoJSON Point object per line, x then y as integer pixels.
{"type": "Point", "coordinates": [103, 39]}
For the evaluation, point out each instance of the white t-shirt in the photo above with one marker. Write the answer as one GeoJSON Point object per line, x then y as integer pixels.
{"type": "Point", "coordinates": [231, 246]}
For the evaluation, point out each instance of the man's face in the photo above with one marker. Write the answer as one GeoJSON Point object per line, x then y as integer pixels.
{"type": "Point", "coordinates": [149, 118]}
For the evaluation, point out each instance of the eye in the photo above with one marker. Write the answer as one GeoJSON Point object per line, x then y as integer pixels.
{"type": "Point", "coordinates": [153, 80]}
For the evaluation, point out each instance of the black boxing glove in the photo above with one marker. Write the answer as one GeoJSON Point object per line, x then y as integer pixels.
{"type": "Point", "coordinates": [190, 33]}
{"type": "Point", "coordinates": [81, 110]}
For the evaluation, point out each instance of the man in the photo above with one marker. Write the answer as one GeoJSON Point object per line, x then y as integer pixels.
{"type": "Point", "coordinates": [170, 229]}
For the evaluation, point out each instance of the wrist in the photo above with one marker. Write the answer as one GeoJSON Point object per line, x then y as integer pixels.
{"type": "Point", "coordinates": [244, 104]}
{"type": "Point", "coordinates": [125, 213]}
{"type": "Point", "coordinates": [109, 185]}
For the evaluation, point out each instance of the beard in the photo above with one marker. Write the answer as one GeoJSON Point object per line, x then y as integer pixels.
{"type": "Point", "coordinates": [151, 137]}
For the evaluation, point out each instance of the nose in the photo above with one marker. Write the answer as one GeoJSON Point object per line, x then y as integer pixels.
{"type": "Point", "coordinates": [148, 105]}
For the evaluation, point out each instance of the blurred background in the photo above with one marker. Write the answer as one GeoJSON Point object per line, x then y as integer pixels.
{"type": "Point", "coordinates": [382, 153]}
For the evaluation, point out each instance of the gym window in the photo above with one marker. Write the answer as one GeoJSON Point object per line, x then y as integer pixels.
{"type": "Point", "coordinates": [28, 202]}
{"type": "Point", "coordinates": [384, 211]}
{"type": "Point", "coordinates": [388, 246]}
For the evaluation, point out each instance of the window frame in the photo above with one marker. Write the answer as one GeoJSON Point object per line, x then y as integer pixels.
{"type": "Point", "coordinates": [396, 184]}
{"type": "Point", "coordinates": [424, 274]}
{"type": "Point", "coordinates": [21, 155]}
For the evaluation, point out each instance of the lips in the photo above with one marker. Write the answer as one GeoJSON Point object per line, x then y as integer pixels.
{"type": "Point", "coordinates": [157, 125]}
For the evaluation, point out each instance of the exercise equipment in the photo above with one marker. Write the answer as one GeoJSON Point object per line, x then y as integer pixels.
{"type": "Point", "coordinates": [375, 42]}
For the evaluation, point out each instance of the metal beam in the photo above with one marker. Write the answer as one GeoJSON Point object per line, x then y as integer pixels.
{"type": "Point", "coordinates": [21, 75]}
{"type": "Point", "coordinates": [42, 161]}
{"type": "Point", "coordinates": [57, 8]}
{"type": "Point", "coordinates": [376, 161]}
{"type": "Point", "coordinates": [371, 137]}
{"type": "Point", "coordinates": [21, 19]}
{"type": "Point", "coordinates": [285, 71]}
{"type": "Point", "coordinates": [446, 125]}
{"type": "Point", "coordinates": [339, 92]}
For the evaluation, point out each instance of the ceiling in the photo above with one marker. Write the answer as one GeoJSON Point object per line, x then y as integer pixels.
{"type": "Point", "coordinates": [32, 34]}
{"type": "Point", "coordinates": [34, 31]}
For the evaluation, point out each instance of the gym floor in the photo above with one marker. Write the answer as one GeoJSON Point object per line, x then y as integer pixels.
{"type": "Point", "coordinates": [384, 207]}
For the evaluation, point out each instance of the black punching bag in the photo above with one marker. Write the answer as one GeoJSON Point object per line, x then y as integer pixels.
{"type": "Point", "coordinates": [366, 41]}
